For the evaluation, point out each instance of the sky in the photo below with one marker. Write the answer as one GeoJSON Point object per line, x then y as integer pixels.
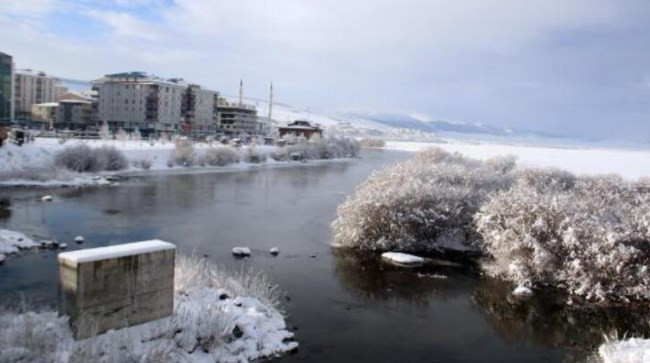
{"type": "Point", "coordinates": [567, 67]}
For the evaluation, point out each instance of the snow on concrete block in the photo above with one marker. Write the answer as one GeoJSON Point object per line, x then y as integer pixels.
{"type": "Point", "coordinates": [241, 251]}
{"type": "Point", "coordinates": [47, 198]}
{"type": "Point", "coordinates": [625, 351]}
{"type": "Point", "coordinates": [274, 251]}
{"type": "Point", "coordinates": [402, 259]}
{"type": "Point", "coordinates": [522, 291]}
{"type": "Point", "coordinates": [118, 286]}
{"type": "Point", "coordinates": [79, 239]}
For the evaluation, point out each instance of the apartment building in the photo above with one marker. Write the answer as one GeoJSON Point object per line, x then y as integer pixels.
{"type": "Point", "coordinates": [237, 118]}
{"type": "Point", "coordinates": [6, 89]}
{"type": "Point", "coordinates": [137, 100]}
{"type": "Point", "coordinates": [31, 88]}
{"type": "Point", "coordinates": [200, 110]}
{"type": "Point", "coordinates": [71, 111]}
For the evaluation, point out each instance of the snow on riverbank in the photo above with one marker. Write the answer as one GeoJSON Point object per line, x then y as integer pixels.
{"type": "Point", "coordinates": [33, 163]}
{"type": "Point", "coordinates": [625, 351]}
{"type": "Point", "coordinates": [218, 316]}
{"type": "Point", "coordinates": [631, 164]}
{"type": "Point", "coordinates": [11, 242]}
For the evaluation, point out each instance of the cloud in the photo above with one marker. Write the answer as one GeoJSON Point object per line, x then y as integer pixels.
{"type": "Point", "coordinates": [572, 67]}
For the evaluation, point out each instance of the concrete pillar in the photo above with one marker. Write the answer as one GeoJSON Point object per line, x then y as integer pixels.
{"type": "Point", "coordinates": [118, 286]}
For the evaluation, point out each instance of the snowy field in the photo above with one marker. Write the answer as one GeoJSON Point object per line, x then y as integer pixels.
{"type": "Point", "coordinates": [630, 164]}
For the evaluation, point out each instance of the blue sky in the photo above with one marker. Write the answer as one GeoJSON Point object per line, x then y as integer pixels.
{"type": "Point", "coordinates": [572, 67]}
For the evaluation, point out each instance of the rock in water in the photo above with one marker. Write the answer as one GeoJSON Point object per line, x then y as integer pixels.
{"type": "Point", "coordinates": [47, 198]}
{"type": "Point", "coordinates": [241, 251]}
{"type": "Point", "coordinates": [402, 259]}
{"type": "Point", "coordinates": [79, 239]}
{"type": "Point", "coordinates": [522, 291]}
{"type": "Point", "coordinates": [274, 251]}
{"type": "Point", "coordinates": [63, 246]}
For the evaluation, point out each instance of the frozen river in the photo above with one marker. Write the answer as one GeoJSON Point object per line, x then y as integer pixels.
{"type": "Point", "coordinates": [343, 307]}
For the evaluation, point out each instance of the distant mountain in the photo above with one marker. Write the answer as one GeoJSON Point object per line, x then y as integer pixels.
{"type": "Point", "coordinates": [442, 126]}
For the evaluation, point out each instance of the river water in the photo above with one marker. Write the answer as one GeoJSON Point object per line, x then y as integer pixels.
{"type": "Point", "coordinates": [344, 307]}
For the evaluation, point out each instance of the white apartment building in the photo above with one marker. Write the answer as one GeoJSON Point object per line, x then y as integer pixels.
{"type": "Point", "coordinates": [200, 109]}
{"type": "Point", "coordinates": [33, 88]}
{"type": "Point", "coordinates": [136, 100]}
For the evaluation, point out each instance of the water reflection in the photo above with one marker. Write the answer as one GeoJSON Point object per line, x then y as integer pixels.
{"type": "Point", "coordinates": [543, 320]}
{"type": "Point", "coordinates": [547, 320]}
{"type": "Point", "coordinates": [367, 276]}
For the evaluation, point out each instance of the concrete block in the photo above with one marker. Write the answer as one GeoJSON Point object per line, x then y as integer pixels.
{"type": "Point", "coordinates": [118, 286]}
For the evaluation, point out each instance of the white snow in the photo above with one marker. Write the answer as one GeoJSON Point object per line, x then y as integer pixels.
{"type": "Point", "coordinates": [205, 327]}
{"type": "Point", "coordinates": [241, 251]}
{"type": "Point", "coordinates": [629, 164]}
{"type": "Point", "coordinates": [522, 291]}
{"type": "Point", "coordinates": [12, 242]}
{"type": "Point", "coordinates": [402, 258]}
{"type": "Point", "coordinates": [94, 254]}
{"type": "Point", "coordinates": [632, 350]}
{"type": "Point", "coordinates": [79, 239]}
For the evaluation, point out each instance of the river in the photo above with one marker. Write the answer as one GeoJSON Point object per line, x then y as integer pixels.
{"type": "Point", "coordinates": [343, 306]}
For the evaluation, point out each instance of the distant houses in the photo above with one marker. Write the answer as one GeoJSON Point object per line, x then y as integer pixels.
{"type": "Point", "coordinates": [300, 128]}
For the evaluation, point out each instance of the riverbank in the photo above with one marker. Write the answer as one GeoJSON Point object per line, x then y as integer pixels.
{"type": "Point", "coordinates": [33, 164]}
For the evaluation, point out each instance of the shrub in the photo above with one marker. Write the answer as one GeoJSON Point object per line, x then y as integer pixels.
{"type": "Point", "coordinates": [144, 164]}
{"type": "Point", "coordinates": [372, 143]}
{"type": "Point", "coordinates": [221, 156]}
{"type": "Point", "coordinates": [590, 235]}
{"type": "Point", "coordinates": [423, 204]}
{"type": "Point", "coordinates": [82, 158]}
{"type": "Point", "coordinates": [254, 156]}
{"type": "Point", "coordinates": [183, 153]}
{"type": "Point", "coordinates": [280, 153]}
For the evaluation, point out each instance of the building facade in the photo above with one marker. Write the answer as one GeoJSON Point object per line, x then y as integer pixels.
{"type": "Point", "coordinates": [136, 100]}
{"type": "Point", "coordinates": [6, 89]}
{"type": "Point", "coordinates": [32, 88]}
{"type": "Point", "coordinates": [237, 119]}
{"type": "Point", "coordinates": [200, 110]}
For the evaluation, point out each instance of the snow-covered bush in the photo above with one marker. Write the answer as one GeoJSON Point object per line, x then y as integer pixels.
{"type": "Point", "coordinates": [184, 153]}
{"type": "Point", "coordinates": [221, 156]}
{"type": "Point", "coordinates": [372, 143]}
{"type": "Point", "coordinates": [589, 235]}
{"type": "Point", "coordinates": [323, 148]}
{"type": "Point", "coordinates": [280, 153]}
{"type": "Point", "coordinates": [82, 158]}
{"type": "Point", "coordinates": [218, 316]}
{"type": "Point", "coordinates": [423, 204]}
{"type": "Point", "coordinates": [254, 156]}
{"type": "Point", "coordinates": [144, 164]}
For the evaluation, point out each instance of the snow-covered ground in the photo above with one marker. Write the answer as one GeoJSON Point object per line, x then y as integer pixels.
{"type": "Point", "coordinates": [632, 350]}
{"type": "Point", "coordinates": [11, 242]}
{"type": "Point", "coordinates": [631, 164]}
{"type": "Point", "coordinates": [218, 317]}
{"type": "Point", "coordinates": [32, 163]}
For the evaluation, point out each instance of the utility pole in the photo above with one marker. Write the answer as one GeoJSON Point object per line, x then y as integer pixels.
{"type": "Point", "coordinates": [271, 102]}
{"type": "Point", "coordinates": [241, 92]}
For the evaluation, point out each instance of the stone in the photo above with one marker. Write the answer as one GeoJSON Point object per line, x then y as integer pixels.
{"type": "Point", "coordinates": [116, 287]}
{"type": "Point", "coordinates": [274, 251]}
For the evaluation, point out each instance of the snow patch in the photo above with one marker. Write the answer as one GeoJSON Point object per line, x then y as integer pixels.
{"type": "Point", "coordinates": [522, 291]}
{"type": "Point", "coordinates": [12, 242]}
{"type": "Point", "coordinates": [241, 251]}
{"type": "Point", "coordinates": [102, 253]}
{"type": "Point", "coordinates": [402, 259]}
{"type": "Point", "coordinates": [625, 351]}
